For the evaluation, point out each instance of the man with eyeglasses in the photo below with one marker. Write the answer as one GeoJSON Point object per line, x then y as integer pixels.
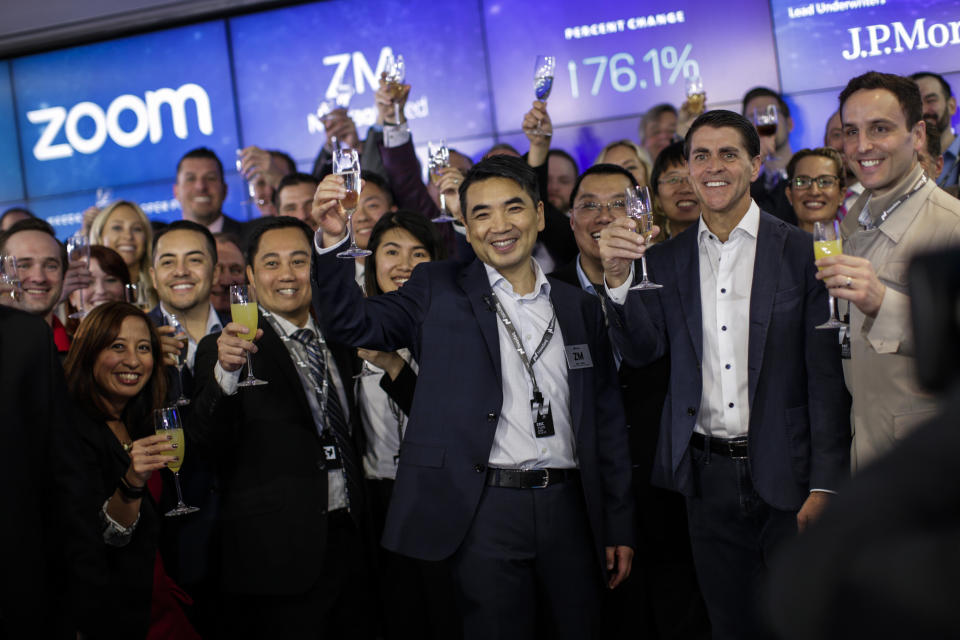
{"type": "Point", "coordinates": [815, 185]}
{"type": "Point", "coordinates": [664, 596]}
{"type": "Point", "coordinates": [901, 213]}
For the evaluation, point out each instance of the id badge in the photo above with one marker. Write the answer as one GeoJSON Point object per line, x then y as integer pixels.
{"type": "Point", "coordinates": [543, 422]}
{"type": "Point", "coordinates": [331, 454]}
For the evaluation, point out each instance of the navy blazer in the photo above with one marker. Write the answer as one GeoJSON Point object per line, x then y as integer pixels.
{"type": "Point", "coordinates": [440, 314]}
{"type": "Point", "coordinates": [799, 430]}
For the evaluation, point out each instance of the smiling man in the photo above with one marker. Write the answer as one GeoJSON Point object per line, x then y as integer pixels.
{"type": "Point", "coordinates": [200, 189]}
{"type": "Point", "coordinates": [939, 108]}
{"type": "Point", "coordinates": [755, 433]}
{"type": "Point", "coordinates": [514, 464]}
{"type": "Point", "coordinates": [900, 213]}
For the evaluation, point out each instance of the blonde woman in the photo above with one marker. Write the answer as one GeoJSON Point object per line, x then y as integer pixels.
{"type": "Point", "coordinates": [124, 227]}
{"type": "Point", "coordinates": [627, 154]}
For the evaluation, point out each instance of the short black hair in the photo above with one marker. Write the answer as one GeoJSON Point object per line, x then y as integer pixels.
{"type": "Point", "coordinates": [186, 225]}
{"type": "Point", "coordinates": [12, 210]}
{"type": "Point", "coordinates": [904, 89]}
{"type": "Point", "coordinates": [501, 166]}
{"type": "Point", "coordinates": [371, 177]}
{"type": "Point", "coordinates": [270, 224]}
{"type": "Point", "coordinates": [671, 155]}
{"type": "Point", "coordinates": [501, 146]}
{"type": "Point", "coordinates": [602, 169]}
{"type": "Point", "coordinates": [284, 157]}
{"type": "Point", "coordinates": [719, 118]}
{"type": "Point", "coordinates": [947, 91]}
{"type": "Point", "coordinates": [35, 224]}
{"type": "Point", "coordinates": [417, 225]}
{"type": "Point", "coordinates": [291, 179]}
{"type": "Point", "coordinates": [560, 153]}
{"type": "Point", "coordinates": [758, 92]}
{"type": "Point", "coordinates": [201, 152]}
{"type": "Point", "coordinates": [232, 238]}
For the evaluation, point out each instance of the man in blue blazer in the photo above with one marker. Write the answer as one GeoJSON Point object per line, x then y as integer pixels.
{"type": "Point", "coordinates": [519, 474]}
{"type": "Point", "coordinates": [755, 427]}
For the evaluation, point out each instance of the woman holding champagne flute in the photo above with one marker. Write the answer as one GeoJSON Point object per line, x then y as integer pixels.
{"type": "Point", "coordinates": [115, 378]}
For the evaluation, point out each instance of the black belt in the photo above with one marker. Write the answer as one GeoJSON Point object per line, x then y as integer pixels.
{"type": "Point", "coordinates": [529, 478]}
{"type": "Point", "coordinates": [735, 448]}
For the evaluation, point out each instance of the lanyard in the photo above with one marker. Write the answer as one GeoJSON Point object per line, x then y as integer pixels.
{"type": "Point", "coordinates": [293, 347]}
{"type": "Point", "coordinates": [515, 337]}
{"type": "Point", "coordinates": [867, 223]}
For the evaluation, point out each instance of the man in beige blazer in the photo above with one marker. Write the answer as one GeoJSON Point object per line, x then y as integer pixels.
{"type": "Point", "coordinates": [900, 213]}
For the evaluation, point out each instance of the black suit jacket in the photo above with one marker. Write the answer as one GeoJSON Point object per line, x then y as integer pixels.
{"type": "Point", "coordinates": [33, 402]}
{"type": "Point", "coordinates": [441, 315]}
{"type": "Point", "coordinates": [273, 516]}
{"type": "Point", "coordinates": [799, 414]}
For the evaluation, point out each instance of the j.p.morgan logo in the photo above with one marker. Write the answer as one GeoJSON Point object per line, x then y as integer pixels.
{"type": "Point", "coordinates": [883, 39]}
{"type": "Point", "coordinates": [147, 120]}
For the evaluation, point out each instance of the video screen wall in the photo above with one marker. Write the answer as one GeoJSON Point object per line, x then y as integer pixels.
{"type": "Point", "coordinates": [118, 114]}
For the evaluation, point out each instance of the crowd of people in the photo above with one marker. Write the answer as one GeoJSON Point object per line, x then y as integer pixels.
{"type": "Point", "coordinates": [481, 429]}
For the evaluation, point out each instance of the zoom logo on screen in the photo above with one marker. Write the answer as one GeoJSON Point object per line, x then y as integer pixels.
{"type": "Point", "coordinates": [147, 121]}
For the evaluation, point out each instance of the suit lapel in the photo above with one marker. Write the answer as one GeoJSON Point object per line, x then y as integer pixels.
{"type": "Point", "coordinates": [771, 236]}
{"type": "Point", "coordinates": [474, 282]}
{"type": "Point", "coordinates": [687, 259]}
{"type": "Point", "coordinates": [573, 330]}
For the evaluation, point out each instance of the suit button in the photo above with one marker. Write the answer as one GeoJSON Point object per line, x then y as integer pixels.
{"type": "Point", "coordinates": [321, 465]}
{"type": "Point", "coordinates": [491, 416]}
{"type": "Point", "coordinates": [479, 468]}
{"type": "Point", "coordinates": [691, 411]}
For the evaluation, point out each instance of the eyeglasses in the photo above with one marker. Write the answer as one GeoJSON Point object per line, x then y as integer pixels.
{"type": "Point", "coordinates": [824, 182]}
{"type": "Point", "coordinates": [615, 207]}
{"type": "Point", "coordinates": [673, 180]}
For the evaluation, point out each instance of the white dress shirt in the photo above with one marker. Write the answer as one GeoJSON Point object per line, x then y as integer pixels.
{"type": "Point", "coordinates": [213, 325]}
{"type": "Point", "coordinates": [726, 280]}
{"type": "Point", "coordinates": [515, 445]}
{"type": "Point", "coordinates": [383, 422]}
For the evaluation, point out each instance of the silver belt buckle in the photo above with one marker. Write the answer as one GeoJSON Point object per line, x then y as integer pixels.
{"type": "Point", "coordinates": [546, 480]}
{"type": "Point", "coordinates": [732, 447]}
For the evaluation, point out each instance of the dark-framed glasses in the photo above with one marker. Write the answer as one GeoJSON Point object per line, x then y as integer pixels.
{"type": "Point", "coordinates": [615, 207]}
{"type": "Point", "coordinates": [823, 182]}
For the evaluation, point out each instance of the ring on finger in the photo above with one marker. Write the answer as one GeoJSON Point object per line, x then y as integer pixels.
{"type": "Point", "coordinates": [849, 283]}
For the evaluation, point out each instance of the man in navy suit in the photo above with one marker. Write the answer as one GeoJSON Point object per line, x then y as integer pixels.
{"type": "Point", "coordinates": [515, 461]}
{"type": "Point", "coordinates": [755, 429]}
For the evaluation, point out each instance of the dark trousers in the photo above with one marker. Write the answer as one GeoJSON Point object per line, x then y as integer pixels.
{"type": "Point", "coordinates": [417, 598]}
{"type": "Point", "coordinates": [529, 547]}
{"type": "Point", "coordinates": [733, 533]}
{"type": "Point", "coordinates": [337, 606]}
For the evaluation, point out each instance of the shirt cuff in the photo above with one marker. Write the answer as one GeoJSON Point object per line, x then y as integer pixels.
{"type": "Point", "coordinates": [116, 535]}
{"type": "Point", "coordinates": [319, 247]}
{"type": "Point", "coordinates": [619, 294]}
{"type": "Point", "coordinates": [396, 135]}
{"type": "Point", "coordinates": [228, 380]}
{"type": "Point", "coordinates": [833, 493]}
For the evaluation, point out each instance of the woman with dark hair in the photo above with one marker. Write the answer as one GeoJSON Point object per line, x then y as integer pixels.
{"type": "Point", "coordinates": [110, 277]}
{"type": "Point", "coordinates": [675, 205]}
{"type": "Point", "coordinates": [408, 588]}
{"type": "Point", "coordinates": [115, 379]}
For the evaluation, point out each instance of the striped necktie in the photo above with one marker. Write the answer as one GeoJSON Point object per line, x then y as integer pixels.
{"type": "Point", "coordinates": [334, 419]}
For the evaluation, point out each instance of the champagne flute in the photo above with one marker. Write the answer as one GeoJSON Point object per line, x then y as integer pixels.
{"type": "Point", "coordinates": [104, 197]}
{"type": "Point", "coordinates": [180, 333]}
{"type": "Point", "coordinates": [638, 208]}
{"type": "Point", "coordinates": [827, 242]}
{"type": "Point", "coordinates": [438, 157]}
{"type": "Point", "coordinates": [166, 422]}
{"type": "Point", "coordinates": [10, 289]}
{"type": "Point", "coordinates": [78, 250]}
{"type": "Point", "coordinates": [543, 83]}
{"type": "Point", "coordinates": [346, 163]}
{"type": "Point", "coordinates": [136, 295]}
{"type": "Point", "coordinates": [251, 184]}
{"type": "Point", "coordinates": [696, 96]}
{"type": "Point", "coordinates": [394, 74]}
{"type": "Point", "coordinates": [343, 94]}
{"type": "Point", "coordinates": [243, 310]}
